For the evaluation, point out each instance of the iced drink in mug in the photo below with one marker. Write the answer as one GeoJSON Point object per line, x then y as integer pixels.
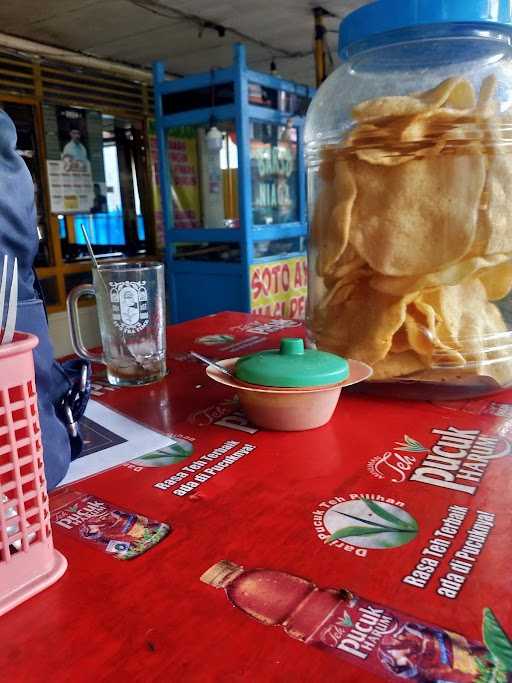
{"type": "Point", "coordinates": [130, 301]}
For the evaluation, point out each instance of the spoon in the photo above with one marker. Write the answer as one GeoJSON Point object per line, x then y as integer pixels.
{"type": "Point", "coordinates": [92, 255]}
{"type": "Point", "coordinates": [208, 361]}
{"type": "Point", "coordinates": [100, 276]}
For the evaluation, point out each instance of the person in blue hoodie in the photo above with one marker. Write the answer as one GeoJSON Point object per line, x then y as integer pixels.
{"type": "Point", "coordinates": [18, 238]}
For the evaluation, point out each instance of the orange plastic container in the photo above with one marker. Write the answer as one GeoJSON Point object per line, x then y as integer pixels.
{"type": "Point", "coordinates": [28, 561]}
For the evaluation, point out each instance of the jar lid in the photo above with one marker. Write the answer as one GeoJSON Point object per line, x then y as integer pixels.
{"type": "Point", "coordinates": [292, 366]}
{"type": "Point", "coordinates": [391, 15]}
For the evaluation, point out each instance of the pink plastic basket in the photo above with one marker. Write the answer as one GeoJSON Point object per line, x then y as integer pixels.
{"type": "Point", "coordinates": [28, 561]}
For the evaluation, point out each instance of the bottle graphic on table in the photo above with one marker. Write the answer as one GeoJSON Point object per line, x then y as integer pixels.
{"type": "Point", "coordinates": [379, 639]}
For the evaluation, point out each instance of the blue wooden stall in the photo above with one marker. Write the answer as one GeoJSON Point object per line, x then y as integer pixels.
{"type": "Point", "coordinates": [196, 287]}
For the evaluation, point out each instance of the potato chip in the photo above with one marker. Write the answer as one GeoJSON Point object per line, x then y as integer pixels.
{"type": "Point", "coordinates": [326, 170]}
{"type": "Point", "coordinates": [466, 319]}
{"type": "Point", "coordinates": [452, 275]}
{"type": "Point", "coordinates": [400, 342]}
{"type": "Point", "coordinates": [497, 281]}
{"type": "Point", "coordinates": [345, 194]}
{"type": "Point", "coordinates": [497, 216]}
{"type": "Point", "coordinates": [421, 324]}
{"type": "Point", "coordinates": [418, 242]}
{"type": "Point", "coordinates": [397, 365]}
{"type": "Point", "coordinates": [420, 332]}
{"type": "Point", "coordinates": [455, 92]}
{"type": "Point", "coordinates": [364, 325]}
{"type": "Point", "coordinates": [486, 105]}
{"type": "Point", "coordinates": [489, 367]}
{"type": "Point", "coordinates": [320, 230]}
{"type": "Point", "coordinates": [397, 105]}
{"type": "Point", "coordinates": [345, 267]}
{"type": "Point", "coordinates": [417, 217]}
{"type": "Point", "coordinates": [332, 217]}
{"type": "Point", "coordinates": [391, 141]}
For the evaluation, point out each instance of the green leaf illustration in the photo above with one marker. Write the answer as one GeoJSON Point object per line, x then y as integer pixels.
{"type": "Point", "coordinates": [176, 448]}
{"type": "Point", "coordinates": [363, 531]}
{"type": "Point", "coordinates": [150, 456]}
{"type": "Point", "coordinates": [414, 444]}
{"type": "Point", "coordinates": [347, 621]}
{"type": "Point", "coordinates": [497, 641]}
{"type": "Point", "coordinates": [354, 531]}
{"type": "Point", "coordinates": [398, 523]}
{"type": "Point", "coordinates": [410, 445]}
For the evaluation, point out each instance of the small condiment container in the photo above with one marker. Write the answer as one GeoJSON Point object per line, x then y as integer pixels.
{"type": "Point", "coordinates": [290, 388]}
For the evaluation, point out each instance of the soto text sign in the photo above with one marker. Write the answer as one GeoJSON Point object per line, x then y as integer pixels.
{"type": "Point", "coordinates": [279, 288]}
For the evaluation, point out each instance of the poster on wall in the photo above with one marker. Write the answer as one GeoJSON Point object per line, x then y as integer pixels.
{"type": "Point", "coordinates": [183, 155]}
{"type": "Point", "coordinates": [69, 164]}
{"type": "Point", "coordinates": [184, 163]}
{"type": "Point", "coordinates": [279, 288]}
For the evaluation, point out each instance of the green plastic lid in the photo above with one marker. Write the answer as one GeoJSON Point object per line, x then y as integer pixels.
{"type": "Point", "coordinates": [292, 366]}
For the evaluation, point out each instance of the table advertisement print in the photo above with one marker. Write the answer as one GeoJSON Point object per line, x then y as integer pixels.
{"type": "Point", "coordinates": [405, 505]}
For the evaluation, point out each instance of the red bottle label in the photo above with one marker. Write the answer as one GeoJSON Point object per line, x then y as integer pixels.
{"type": "Point", "coordinates": [397, 647]}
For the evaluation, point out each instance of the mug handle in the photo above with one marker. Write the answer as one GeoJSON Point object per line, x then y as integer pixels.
{"type": "Point", "coordinates": [74, 323]}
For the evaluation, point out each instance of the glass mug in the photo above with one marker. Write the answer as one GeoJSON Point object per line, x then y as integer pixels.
{"type": "Point", "coordinates": [130, 300]}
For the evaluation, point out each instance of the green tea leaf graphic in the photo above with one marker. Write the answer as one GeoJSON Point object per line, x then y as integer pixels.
{"type": "Point", "coordinates": [179, 450]}
{"type": "Point", "coordinates": [357, 531]}
{"type": "Point", "coordinates": [414, 444]}
{"type": "Point", "coordinates": [347, 621]}
{"type": "Point", "coordinates": [410, 445]}
{"type": "Point", "coordinates": [150, 456]}
{"type": "Point", "coordinates": [347, 531]}
{"type": "Point", "coordinates": [497, 641]}
{"type": "Point", "coordinates": [398, 523]}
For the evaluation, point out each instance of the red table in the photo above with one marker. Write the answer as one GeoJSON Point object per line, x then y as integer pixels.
{"type": "Point", "coordinates": [151, 619]}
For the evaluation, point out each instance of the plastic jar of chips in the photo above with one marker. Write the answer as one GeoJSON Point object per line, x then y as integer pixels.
{"type": "Point", "coordinates": [409, 153]}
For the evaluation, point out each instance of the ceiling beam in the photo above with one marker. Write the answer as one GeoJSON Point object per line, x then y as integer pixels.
{"type": "Point", "coordinates": [30, 47]}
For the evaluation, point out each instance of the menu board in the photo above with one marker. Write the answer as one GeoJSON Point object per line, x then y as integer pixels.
{"type": "Point", "coordinates": [71, 186]}
{"type": "Point", "coordinates": [74, 157]}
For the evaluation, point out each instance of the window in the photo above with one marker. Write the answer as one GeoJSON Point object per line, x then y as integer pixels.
{"type": "Point", "coordinates": [115, 222]}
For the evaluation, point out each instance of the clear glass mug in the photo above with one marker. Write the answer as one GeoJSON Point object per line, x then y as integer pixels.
{"type": "Point", "coordinates": [130, 300]}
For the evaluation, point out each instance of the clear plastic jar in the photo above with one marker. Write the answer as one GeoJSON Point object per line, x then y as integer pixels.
{"type": "Point", "coordinates": [409, 159]}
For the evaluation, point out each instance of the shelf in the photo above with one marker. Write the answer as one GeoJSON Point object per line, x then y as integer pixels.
{"type": "Point", "coordinates": [202, 80]}
{"type": "Point", "coordinates": [208, 267]}
{"type": "Point", "coordinates": [201, 287]}
{"type": "Point", "coordinates": [258, 113]}
{"type": "Point", "coordinates": [268, 81]}
{"type": "Point", "coordinates": [224, 112]}
{"type": "Point", "coordinates": [279, 231]}
{"type": "Point", "coordinates": [277, 257]}
{"type": "Point", "coordinates": [181, 235]}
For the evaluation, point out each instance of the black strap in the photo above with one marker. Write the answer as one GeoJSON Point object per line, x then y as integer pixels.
{"type": "Point", "coordinates": [39, 290]}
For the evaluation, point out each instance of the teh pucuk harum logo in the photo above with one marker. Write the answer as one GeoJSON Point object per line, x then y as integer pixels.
{"type": "Point", "coordinates": [129, 301]}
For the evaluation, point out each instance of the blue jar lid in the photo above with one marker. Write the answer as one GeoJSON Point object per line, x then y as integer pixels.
{"type": "Point", "coordinates": [391, 15]}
